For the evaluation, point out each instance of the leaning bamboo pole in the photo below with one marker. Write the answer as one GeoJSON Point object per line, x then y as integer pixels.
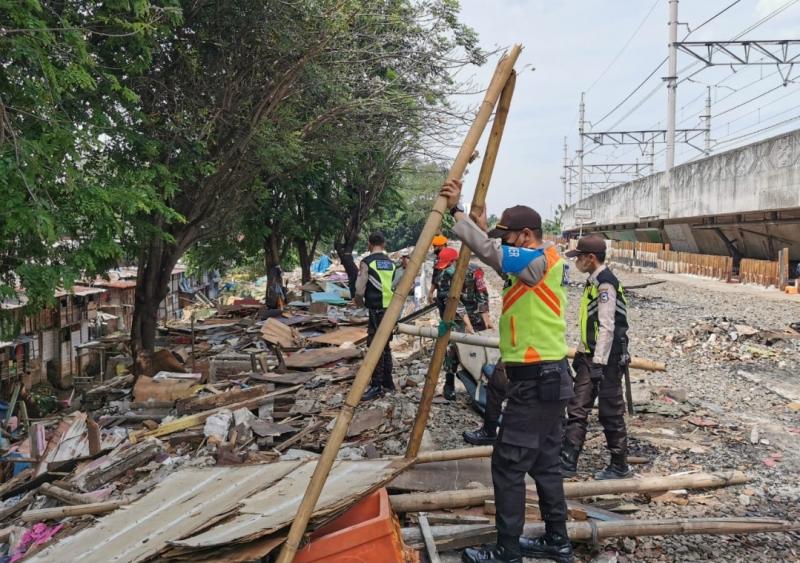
{"type": "Point", "coordinates": [494, 342]}
{"type": "Point", "coordinates": [456, 285]}
{"type": "Point", "coordinates": [393, 312]}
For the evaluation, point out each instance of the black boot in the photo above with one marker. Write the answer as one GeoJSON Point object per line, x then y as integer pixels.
{"type": "Point", "coordinates": [449, 391]}
{"type": "Point", "coordinates": [373, 392]}
{"type": "Point", "coordinates": [496, 553]}
{"type": "Point", "coordinates": [549, 546]}
{"type": "Point", "coordinates": [617, 469]}
{"type": "Point", "coordinates": [569, 459]}
{"type": "Point", "coordinates": [480, 437]}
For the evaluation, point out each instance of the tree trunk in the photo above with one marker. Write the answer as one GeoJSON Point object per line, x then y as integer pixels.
{"type": "Point", "coordinates": [306, 256]}
{"type": "Point", "coordinates": [345, 253]}
{"type": "Point", "coordinates": [275, 299]}
{"type": "Point", "coordinates": [152, 286]}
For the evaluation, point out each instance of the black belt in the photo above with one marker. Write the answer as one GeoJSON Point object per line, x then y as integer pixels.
{"type": "Point", "coordinates": [527, 372]}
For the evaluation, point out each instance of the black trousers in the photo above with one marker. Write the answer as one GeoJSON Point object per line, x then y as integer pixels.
{"type": "Point", "coordinates": [382, 374]}
{"type": "Point", "coordinates": [529, 443]}
{"type": "Point", "coordinates": [611, 405]}
{"type": "Point", "coordinates": [495, 395]}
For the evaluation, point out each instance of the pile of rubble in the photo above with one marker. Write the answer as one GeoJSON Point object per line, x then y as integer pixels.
{"type": "Point", "coordinates": [720, 339]}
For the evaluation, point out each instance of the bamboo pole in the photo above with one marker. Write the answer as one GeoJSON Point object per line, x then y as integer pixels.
{"type": "Point", "coordinates": [416, 502]}
{"type": "Point", "coordinates": [64, 495]}
{"type": "Point", "coordinates": [78, 510]}
{"type": "Point", "coordinates": [452, 455]}
{"type": "Point", "coordinates": [464, 255]}
{"type": "Point", "coordinates": [460, 536]}
{"type": "Point", "coordinates": [393, 312]}
{"type": "Point", "coordinates": [494, 342]}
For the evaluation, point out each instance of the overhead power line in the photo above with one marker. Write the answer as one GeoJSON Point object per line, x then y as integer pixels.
{"type": "Point", "coordinates": [628, 42]}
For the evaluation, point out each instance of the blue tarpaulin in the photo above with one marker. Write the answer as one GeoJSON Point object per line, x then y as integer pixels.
{"type": "Point", "coordinates": [321, 264]}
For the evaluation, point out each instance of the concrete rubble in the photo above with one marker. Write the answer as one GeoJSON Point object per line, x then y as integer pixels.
{"type": "Point", "coordinates": [238, 391]}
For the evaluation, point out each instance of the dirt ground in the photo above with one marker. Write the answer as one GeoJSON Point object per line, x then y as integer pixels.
{"type": "Point", "coordinates": [730, 399]}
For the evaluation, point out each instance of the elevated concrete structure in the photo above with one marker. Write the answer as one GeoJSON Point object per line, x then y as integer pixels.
{"type": "Point", "coordinates": [744, 201]}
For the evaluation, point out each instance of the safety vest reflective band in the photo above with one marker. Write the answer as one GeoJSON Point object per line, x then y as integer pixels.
{"type": "Point", "coordinates": [532, 324]}
{"type": "Point", "coordinates": [589, 320]}
{"type": "Point", "coordinates": [379, 292]}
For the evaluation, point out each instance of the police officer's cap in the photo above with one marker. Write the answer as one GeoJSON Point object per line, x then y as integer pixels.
{"type": "Point", "coordinates": [590, 244]}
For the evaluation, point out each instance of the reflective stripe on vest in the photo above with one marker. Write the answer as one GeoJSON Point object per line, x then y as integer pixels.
{"type": "Point", "coordinates": [587, 315]}
{"type": "Point", "coordinates": [532, 324]}
{"type": "Point", "coordinates": [384, 269]}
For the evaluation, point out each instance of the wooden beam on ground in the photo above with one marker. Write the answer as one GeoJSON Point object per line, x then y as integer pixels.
{"type": "Point", "coordinates": [64, 495]}
{"type": "Point", "coordinates": [452, 455]}
{"type": "Point", "coordinates": [392, 313]}
{"type": "Point", "coordinates": [417, 502]}
{"type": "Point", "coordinates": [427, 536]}
{"type": "Point", "coordinates": [78, 510]}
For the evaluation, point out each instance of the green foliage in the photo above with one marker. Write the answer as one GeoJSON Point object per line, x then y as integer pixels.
{"type": "Point", "coordinates": [553, 226]}
{"type": "Point", "coordinates": [65, 210]}
{"type": "Point", "coordinates": [407, 208]}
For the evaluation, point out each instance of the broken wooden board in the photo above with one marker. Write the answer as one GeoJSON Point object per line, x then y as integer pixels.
{"type": "Point", "coordinates": [319, 357]}
{"type": "Point", "coordinates": [169, 390]}
{"type": "Point", "coordinates": [276, 332]}
{"type": "Point", "coordinates": [445, 475]}
{"type": "Point", "coordinates": [103, 470]}
{"type": "Point", "coordinates": [274, 508]}
{"type": "Point", "coordinates": [366, 420]}
{"type": "Point", "coordinates": [341, 335]}
{"type": "Point", "coordinates": [292, 378]}
{"type": "Point", "coordinates": [184, 502]}
{"type": "Point", "coordinates": [198, 404]}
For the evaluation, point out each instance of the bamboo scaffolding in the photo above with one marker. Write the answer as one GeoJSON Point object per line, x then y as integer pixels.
{"type": "Point", "coordinates": [464, 255]}
{"type": "Point", "coordinates": [494, 342]}
{"type": "Point", "coordinates": [393, 312]}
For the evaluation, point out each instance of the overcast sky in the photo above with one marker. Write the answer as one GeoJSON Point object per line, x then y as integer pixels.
{"type": "Point", "coordinates": [572, 43]}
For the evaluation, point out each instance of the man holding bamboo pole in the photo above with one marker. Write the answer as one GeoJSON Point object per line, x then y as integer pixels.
{"type": "Point", "coordinates": [533, 348]}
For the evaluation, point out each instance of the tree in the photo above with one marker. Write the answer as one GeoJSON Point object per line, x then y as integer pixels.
{"type": "Point", "coordinates": [65, 211]}
{"type": "Point", "coordinates": [553, 226]}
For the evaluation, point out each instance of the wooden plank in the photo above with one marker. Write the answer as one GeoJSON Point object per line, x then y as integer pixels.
{"type": "Point", "coordinates": [276, 332]}
{"type": "Point", "coordinates": [341, 335]}
{"type": "Point", "coordinates": [320, 357]}
{"type": "Point", "coordinates": [430, 544]}
{"type": "Point", "coordinates": [198, 404]}
{"type": "Point", "coordinates": [291, 378]}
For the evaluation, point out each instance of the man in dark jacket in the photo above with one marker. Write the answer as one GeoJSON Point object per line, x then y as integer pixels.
{"type": "Point", "coordinates": [599, 363]}
{"type": "Point", "coordinates": [374, 290]}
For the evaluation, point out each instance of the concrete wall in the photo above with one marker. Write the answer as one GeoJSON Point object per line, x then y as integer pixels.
{"type": "Point", "coordinates": [750, 195]}
{"type": "Point", "coordinates": [758, 177]}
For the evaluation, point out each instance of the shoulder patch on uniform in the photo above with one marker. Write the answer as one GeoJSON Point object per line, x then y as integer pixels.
{"type": "Point", "coordinates": [604, 296]}
{"type": "Point", "coordinates": [516, 259]}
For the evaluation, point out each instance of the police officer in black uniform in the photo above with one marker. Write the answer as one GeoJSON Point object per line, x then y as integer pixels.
{"type": "Point", "coordinates": [599, 363]}
{"type": "Point", "coordinates": [533, 349]}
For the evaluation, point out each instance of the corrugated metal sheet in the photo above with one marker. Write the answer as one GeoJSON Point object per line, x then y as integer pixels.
{"type": "Point", "coordinates": [275, 508]}
{"type": "Point", "coordinates": [184, 502]}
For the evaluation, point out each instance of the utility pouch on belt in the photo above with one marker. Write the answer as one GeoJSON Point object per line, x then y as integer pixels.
{"type": "Point", "coordinates": [550, 383]}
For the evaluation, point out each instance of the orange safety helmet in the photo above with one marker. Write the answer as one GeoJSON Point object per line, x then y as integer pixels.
{"type": "Point", "coordinates": [439, 240]}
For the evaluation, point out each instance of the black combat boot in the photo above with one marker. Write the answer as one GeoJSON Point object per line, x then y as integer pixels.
{"type": "Point", "coordinates": [449, 391]}
{"type": "Point", "coordinates": [496, 553]}
{"type": "Point", "coordinates": [617, 469]}
{"type": "Point", "coordinates": [480, 437]}
{"type": "Point", "coordinates": [569, 459]}
{"type": "Point", "coordinates": [554, 547]}
{"type": "Point", "coordinates": [373, 392]}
